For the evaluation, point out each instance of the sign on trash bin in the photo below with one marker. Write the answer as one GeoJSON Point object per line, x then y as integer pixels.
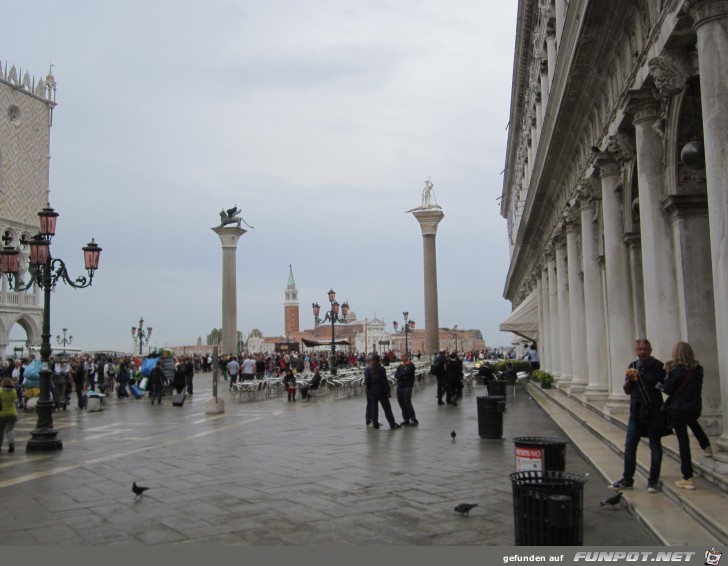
{"type": "Point", "coordinates": [529, 459]}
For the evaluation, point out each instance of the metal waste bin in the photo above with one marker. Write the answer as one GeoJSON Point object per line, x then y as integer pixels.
{"type": "Point", "coordinates": [497, 387]}
{"type": "Point", "coordinates": [490, 416]}
{"type": "Point", "coordinates": [548, 508]}
{"type": "Point", "coordinates": [540, 454]}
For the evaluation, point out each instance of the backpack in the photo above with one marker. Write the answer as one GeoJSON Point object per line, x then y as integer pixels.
{"type": "Point", "coordinates": [437, 368]}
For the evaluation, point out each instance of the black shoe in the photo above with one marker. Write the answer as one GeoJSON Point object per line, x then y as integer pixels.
{"type": "Point", "coordinates": [376, 425]}
{"type": "Point", "coordinates": [414, 422]}
{"type": "Point", "coordinates": [454, 404]}
{"type": "Point", "coordinates": [404, 423]}
{"type": "Point", "coordinates": [440, 402]}
{"type": "Point", "coordinates": [11, 448]}
{"type": "Point", "coordinates": [395, 425]}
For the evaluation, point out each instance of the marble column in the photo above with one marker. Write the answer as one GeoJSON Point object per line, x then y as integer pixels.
{"type": "Point", "coordinates": [711, 26]}
{"type": "Point", "coordinates": [562, 282]}
{"type": "Point", "coordinates": [229, 239]}
{"type": "Point", "coordinates": [561, 8]}
{"type": "Point", "coordinates": [595, 330]}
{"type": "Point", "coordinates": [662, 325]}
{"type": "Point", "coordinates": [579, 366]}
{"type": "Point", "coordinates": [634, 254]}
{"type": "Point", "coordinates": [555, 348]}
{"type": "Point", "coordinates": [620, 319]}
{"type": "Point", "coordinates": [544, 78]}
{"type": "Point", "coordinates": [544, 331]}
{"type": "Point", "coordinates": [689, 218]}
{"type": "Point", "coordinates": [429, 218]}
{"type": "Point", "coordinates": [551, 51]}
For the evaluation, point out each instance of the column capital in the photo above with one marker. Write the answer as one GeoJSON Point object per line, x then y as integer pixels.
{"type": "Point", "coordinates": [428, 218]}
{"type": "Point", "coordinates": [571, 220]}
{"type": "Point", "coordinates": [682, 206]}
{"type": "Point", "coordinates": [704, 11]}
{"type": "Point", "coordinates": [632, 239]}
{"type": "Point", "coordinates": [229, 236]}
{"type": "Point", "coordinates": [586, 195]}
{"type": "Point", "coordinates": [607, 165]}
{"type": "Point", "coordinates": [643, 106]}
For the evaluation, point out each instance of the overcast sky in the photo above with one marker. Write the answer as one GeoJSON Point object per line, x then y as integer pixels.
{"type": "Point", "coordinates": [320, 119]}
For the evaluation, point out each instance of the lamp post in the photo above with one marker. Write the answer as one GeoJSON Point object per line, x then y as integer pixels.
{"type": "Point", "coordinates": [407, 327]}
{"type": "Point", "coordinates": [46, 271]}
{"type": "Point", "coordinates": [454, 335]}
{"type": "Point", "coordinates": [333, 316]}
{"type": "Point", "coordinates": [139, 334]}
{"type": "Point", "coordinates": [65, 341]}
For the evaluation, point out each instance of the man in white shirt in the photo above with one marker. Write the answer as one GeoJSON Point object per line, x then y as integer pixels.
{"type": "Point", "coordinates": [248, 369]}
{"type": "Point", "coordinates": [233, 368]}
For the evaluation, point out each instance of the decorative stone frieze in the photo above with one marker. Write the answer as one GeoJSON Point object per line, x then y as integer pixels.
{"type": "Point", "coordinates": [704, 11]}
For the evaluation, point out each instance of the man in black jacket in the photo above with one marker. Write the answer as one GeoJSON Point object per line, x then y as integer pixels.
{"type": "Point", "coordinates": [640, 385]}
{"type": "Point", "coordinates": [405, 376]}
{"type": "Point", "coordinates": [377, 388]}
{"type": "Point", "coordinates": [438, 370]}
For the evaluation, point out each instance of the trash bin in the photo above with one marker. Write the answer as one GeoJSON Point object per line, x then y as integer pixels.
{"type": "Point", "coordinates": [497, 387]}
{"type": "Point", "coordinates": [490, 416]}
{"type": "Point", "coordinates": [548, 508]}
{"type": "Point", "coordinates": [540, 454]}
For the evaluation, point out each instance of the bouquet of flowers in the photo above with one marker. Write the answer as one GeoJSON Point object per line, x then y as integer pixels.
{"type": "Point", "coordinates": [632, 375]}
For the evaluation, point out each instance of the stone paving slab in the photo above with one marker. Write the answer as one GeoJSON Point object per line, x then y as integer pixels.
{"type": "Point", "coordinates": [282, 474]}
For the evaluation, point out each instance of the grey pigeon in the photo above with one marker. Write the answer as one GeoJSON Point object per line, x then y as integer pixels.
{"type": "Point", "coordinates": [464, 508]}
{"type": "Point", "coordinates": [614, 500]}
{"type": "Point", "coordinates": [137, 489]}
{"type": "Point", "coordinates": [453, 434]}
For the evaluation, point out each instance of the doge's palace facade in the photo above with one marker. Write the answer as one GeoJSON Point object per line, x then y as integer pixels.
{"type": "Point", "coordinates": [615, 190]}
{"type": "Point", "coordinates": [26, 109]}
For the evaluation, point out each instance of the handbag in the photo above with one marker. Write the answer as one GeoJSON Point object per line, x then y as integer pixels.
{"type": "Point", "coordinates": [654, 418]}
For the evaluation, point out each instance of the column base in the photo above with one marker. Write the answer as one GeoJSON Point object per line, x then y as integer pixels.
{"type": "Point", "coordinates": [214, 406]}
{"type": "Point", "coordinates": [577, 387]}
{"type": "Point", "coordinates": [615, 406]}
{"type": "Point", "coordinates": [596, 393]}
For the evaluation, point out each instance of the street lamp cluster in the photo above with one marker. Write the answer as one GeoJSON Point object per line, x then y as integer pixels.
{"type": "Point", "coordinates": [333, 316]}
{"type": "Point", "coordinates": [65, 341]}
{"type": "Point", "coordinates": [45, 271]}
{"type": "Point", "coordinates": [140, 334]}
{"type": "Point", "coordinates": [407, 327]}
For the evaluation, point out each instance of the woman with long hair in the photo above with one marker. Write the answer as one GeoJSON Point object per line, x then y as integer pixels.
{"type": "Point", "coordinates": [684, 384]}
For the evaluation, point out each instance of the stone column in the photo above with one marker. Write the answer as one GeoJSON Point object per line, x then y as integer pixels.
{"type": "Point", "coordinates": [544, 78]}
{"type": "Point", "coordinates": [689, 218]}
{"type": "Point", "coordinates": [662, 324]}
{"type": "Point", "coordinates": [579, 366]}
{"type": "Point", "coordinates": [555, 349]}
{"type": "Point", "coordinates": [429, 218]}
{"type": "Point", "coordinates": [551, 51]}
{"type": "Point", "coordinates": [229, 239]}
{"type": "Point", "coordinates": [544, 331]}
{"type": "Point", "coordinates": [620, 319]}
{"type": "Point", "coordinates": [711, 26]}
{"type": "Point", "coordinates": [562, 282]}
{"type": "Point", "coordinates": [595, 330]}
{"type": "Point", "coordinates": [634, 255]}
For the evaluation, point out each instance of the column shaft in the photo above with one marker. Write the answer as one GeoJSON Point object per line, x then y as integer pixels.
{"type": "Point", "coordinates": [562, 281]}
{"type": "Point", "coordinates": [554, 316]}
{"type": "Point", "coordinates": [579, 366]}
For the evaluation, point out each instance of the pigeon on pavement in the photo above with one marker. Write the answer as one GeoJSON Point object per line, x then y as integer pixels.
{"type": "Point", "coordinates": [137, 489]}
{"type": "Point", "coordinates": [464, 508]}
{"type": "Point", "coordinates": [453, 434]}
{"type": "Point", "coordinates": [614, 500]}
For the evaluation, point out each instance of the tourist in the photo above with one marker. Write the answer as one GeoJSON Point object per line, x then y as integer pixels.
{"type": "Point", "coordinates": [311, 385]}
{"type": "Point", "coordinates": [377, 385]}
{"type": "Point", "coordinates": [454, 380]}
{"type": "Point", "coordinates": [643, 375]}
{"type": "Point", "coordinates": [405, 376]}
{"type": "Point", "coordinates": [8, 413]}
{"type": "Point", "coordinates": [233, 368]}
{"type": "Point", "coordinates": [684, 384]}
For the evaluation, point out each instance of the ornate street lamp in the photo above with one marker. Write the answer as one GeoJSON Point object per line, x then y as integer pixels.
{"type": "Point", "coordinates": [407, 327]}
{"type": "Point", "coordinates": [46, 271]}
{"type": "Point", "coordinates": [140, 334]}
{"type": "Point", "coordinates": [65, 341]}
{"type": "Point", "coordinates": [454, 335]}
{"type": "Point", "coordinates": [333, 316]}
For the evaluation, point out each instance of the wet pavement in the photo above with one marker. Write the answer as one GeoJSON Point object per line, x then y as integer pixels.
{"type": "Point", "coordinates": [270, 472]}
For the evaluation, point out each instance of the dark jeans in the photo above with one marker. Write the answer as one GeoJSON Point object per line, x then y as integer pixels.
{"type": "Point", "coordinates": [404, 398]}
{"type": "Point", "coordinates": [384, 400]}
{"type": "Point", "coordinates": [441, 387]}
{"type": "Point", "coordinates": [630, 452]}
{"type": "Point", "coordinates": [681, 420]}
{"type": "Point", "coordinates": [189, 378]}
{"type": "Point", "coordinates": [370, 403]}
